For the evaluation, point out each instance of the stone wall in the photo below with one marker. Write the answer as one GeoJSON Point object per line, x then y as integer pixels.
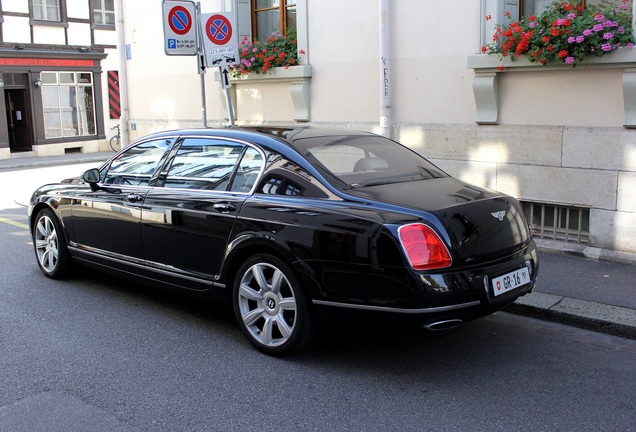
{"type": "Point", "coordinates": [589, 167]}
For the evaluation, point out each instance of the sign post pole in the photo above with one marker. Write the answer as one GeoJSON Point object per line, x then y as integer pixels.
{"type": "Point", "coordinates": [220, 46]}
{"type": "Point", "coordinates": [201, 68]}
{"type": "Point", "coordinates": [182, 36]}
{"type": "Point", "coordinates": [225, 82]}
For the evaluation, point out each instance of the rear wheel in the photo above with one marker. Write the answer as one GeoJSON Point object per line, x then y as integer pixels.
{"type": "Point", "coordinates": [50, 245]}
{"type": "Point", "coordinates": [270, 306]}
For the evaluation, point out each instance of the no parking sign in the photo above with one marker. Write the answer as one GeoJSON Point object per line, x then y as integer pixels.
{"type": "Point", "coordinates": [179, 27]}
{"type": "Point", "coordinates": [219, 39]}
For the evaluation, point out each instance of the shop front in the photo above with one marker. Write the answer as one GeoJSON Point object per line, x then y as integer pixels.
{"type": "Point", "coordinates": [53, 102]}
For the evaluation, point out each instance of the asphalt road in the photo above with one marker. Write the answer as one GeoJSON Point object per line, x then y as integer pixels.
{"type": "Point", "coordinates": [102, 354]}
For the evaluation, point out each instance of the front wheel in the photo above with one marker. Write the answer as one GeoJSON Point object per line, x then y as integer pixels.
{"type": "Point", "coordinates": [270, 307]}
{"type": "Point", "coordinates": [50, 245]}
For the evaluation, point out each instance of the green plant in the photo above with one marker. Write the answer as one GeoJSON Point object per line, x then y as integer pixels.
{"type": "Point", "coordinates": [565, 32]}
{"type": "Point", "coordinates": [260, 57]}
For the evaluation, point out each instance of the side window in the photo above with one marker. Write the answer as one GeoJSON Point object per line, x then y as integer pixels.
{"type": "Point", "coordinates": [247, 171]}
{"type": "Point", "coordinates": [203, 163]}
{"type": "Point", "coordinates": [284, 177]}
{"type": "Point", "coordinates": [137, 164]}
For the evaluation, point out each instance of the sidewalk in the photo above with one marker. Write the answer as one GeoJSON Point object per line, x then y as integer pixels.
{"type": "Point", "coordinates": [18, 162]}
{"type": "Point", "coordinates": [578, 286]}
{"type": "Point", "coordinates": [582, 292]}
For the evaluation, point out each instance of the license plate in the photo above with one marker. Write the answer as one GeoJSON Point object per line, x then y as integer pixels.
{"type": "Point", "coordinates": [510, 281]}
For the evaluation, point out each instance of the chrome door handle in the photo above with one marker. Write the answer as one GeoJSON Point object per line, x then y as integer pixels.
{"type": "Point", "coordinates": [134, 198]}
{"type": "Point", "coordinates": [224, 207]}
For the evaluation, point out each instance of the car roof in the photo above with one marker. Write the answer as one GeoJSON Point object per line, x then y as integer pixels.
{"type": "Point", "coordinates": [271, 136]}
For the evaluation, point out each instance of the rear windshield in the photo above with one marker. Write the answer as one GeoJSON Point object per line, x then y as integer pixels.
{"type": "Point", "coordinates": [367, 160]}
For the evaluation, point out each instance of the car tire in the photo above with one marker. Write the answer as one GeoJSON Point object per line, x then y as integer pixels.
{"type": "Point", "coordinates": [49, 243]}
{"type": "Point", "coordinates": [270, 306]}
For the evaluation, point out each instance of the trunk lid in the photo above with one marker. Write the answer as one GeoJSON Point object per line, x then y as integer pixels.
{"type": "Point", "coordinates": [483, 225]}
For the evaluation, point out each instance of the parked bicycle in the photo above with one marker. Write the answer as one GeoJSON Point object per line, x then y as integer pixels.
{"type": "Point", "coordinates": [115, 138]}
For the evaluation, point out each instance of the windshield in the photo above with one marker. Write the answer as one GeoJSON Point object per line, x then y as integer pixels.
{"type": "Point", "coordinates": [367, 160]}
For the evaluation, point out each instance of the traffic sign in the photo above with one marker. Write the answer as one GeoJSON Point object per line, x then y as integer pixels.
{"type": "Point", "coordinates": [179, 27]}
{"type": "Point", "coordinates": [218, 29]}
{"type": "Point", "coordinates": [180, 20]}
{"type": "Point", "coordinates": [219, 39]}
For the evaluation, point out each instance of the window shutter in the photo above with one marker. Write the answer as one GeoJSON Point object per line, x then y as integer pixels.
{"type": "Point", "coordinates": [512, 7]}
{"type": "Point", "coordinates": [539, 6]}
{"type": "Point", "coordinates": [242, 10]}
{"type": "Point", "coordinates": [244, 20]}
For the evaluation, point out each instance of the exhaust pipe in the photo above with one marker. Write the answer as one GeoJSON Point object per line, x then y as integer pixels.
{"type": "Point", "coordinates": [443, 325]}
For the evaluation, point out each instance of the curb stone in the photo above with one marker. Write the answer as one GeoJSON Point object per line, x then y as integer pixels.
{"type": "Point", "coordinates": [612, 320]}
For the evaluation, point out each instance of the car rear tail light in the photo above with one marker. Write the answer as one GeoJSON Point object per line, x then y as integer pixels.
{"type": "Point", "coordinates": [424, 248]}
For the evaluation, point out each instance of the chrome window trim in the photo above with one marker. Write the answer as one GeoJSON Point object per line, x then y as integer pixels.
{"type": "Point", "coordinates": [181, 138]}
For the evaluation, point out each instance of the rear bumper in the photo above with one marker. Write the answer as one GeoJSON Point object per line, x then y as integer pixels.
{"type": "Point", "coordinates": [422, 297]}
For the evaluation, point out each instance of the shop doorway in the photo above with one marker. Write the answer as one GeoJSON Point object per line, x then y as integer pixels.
{"type": "Point", "coordinates": [18, 119]}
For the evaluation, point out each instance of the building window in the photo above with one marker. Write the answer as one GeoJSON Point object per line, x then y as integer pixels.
{"type": "Point", "coordinates": [504, 11]}
{"type": "Point", "coordinates": [104, 12]}
{"type": "Point", "coordinates": [273, 16]}
{"type": "Point", "coordinates": [68, 100]}
{"type": "Point", "coordinates": [556, 222]}
{"type": "Point", "coordinates": [47, 10]}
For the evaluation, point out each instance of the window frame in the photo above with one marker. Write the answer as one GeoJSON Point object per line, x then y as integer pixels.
{"type": "Point", "coordinates": [282, 15]}
{"type": "Point", "coordinates": [141, 177]}
{"type": "Point", "coordinates": [95, 11]}
{"type": "Point", "coordinates": [61, 7]}
{"type": "Point", "coordinates": [77, 111]}
{"type": "Point", "coordinates": [193, 180]}
{"type": "Point", "coordinates": [522, 4]}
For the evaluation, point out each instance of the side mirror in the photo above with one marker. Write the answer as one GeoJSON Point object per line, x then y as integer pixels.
{"type": "Point", "coordinates": [91, 176]}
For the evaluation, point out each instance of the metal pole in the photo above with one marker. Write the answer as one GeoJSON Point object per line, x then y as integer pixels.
{"type": "Point", "coordinates": [123, 79]}
{"type": "Point", "coordinates": [385, 98]}
{"type": "Point", "coordinates": [225, 82]}
{"type": "Point", "coordinates": [201, 66]}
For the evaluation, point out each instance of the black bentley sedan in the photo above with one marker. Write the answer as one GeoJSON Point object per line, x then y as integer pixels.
{"type": "Point", "coordinates": [292, 225]}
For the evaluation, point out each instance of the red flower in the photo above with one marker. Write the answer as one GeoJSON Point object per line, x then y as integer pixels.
{"type": "Point", "coordinates": [483, 48]}
{"type": "Point", "coordinates": [563, 54]}
{"type": "Point", "coordinates": [501, 68]}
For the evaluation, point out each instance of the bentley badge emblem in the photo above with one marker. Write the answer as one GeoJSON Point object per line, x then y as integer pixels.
{"type": "Point", "coordinates": [499, 215]}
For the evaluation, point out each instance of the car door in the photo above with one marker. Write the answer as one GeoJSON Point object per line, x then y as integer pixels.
{"type": "Point", "coordinates": [107, 221]}
{"type": "Point", "coordinates": [188, 217]}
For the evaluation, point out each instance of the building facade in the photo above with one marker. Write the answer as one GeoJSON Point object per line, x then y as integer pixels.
{"type": "Point", "coordinates": [561, 139]}
{"type": "Point", "coordinates": [54, 61]}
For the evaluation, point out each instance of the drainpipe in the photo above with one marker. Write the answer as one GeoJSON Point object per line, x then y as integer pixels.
{"type": "Point", "coordinates": [385, 99]}
{"type": "Point", "coordinates": [123, 82]}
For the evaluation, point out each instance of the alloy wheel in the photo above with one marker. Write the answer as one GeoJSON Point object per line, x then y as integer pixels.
{"type": "Point", "coordinates": [267, 305]}
{"type": "Point", "coordinates": [46, 244]}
